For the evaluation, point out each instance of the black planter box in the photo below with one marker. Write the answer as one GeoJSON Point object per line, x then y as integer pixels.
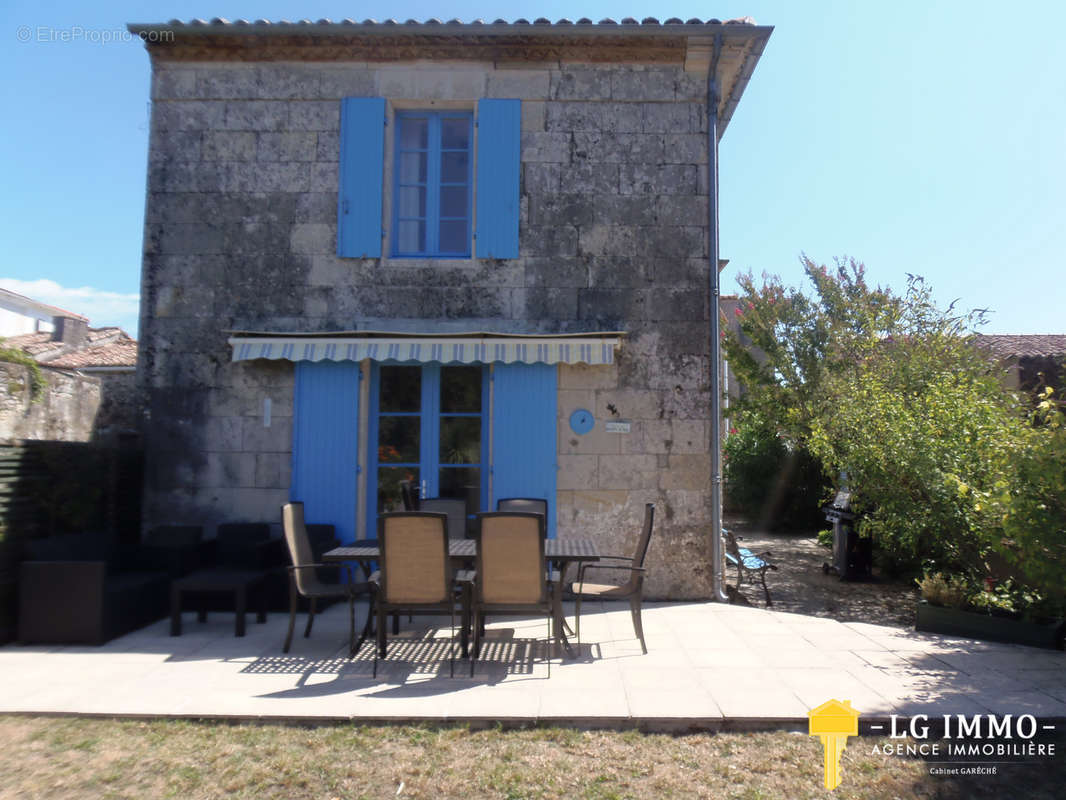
{"type": "Point", "coordinates": [956, 622]}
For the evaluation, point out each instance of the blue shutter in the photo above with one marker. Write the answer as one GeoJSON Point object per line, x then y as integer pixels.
{"type": "Point", "coordinates": [523, 434]}
{"type": "Point", "coordinates": [325, 443]}
{"type": "Point", "coordinates": [362, 167]}
{"type": "Point", "coordinates": [499, 154]}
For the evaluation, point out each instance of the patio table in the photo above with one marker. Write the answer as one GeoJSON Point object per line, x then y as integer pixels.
{"type": "Point", "coordinates": [561, 553]}
{"type": "Point", "coordinates": [237, 582]}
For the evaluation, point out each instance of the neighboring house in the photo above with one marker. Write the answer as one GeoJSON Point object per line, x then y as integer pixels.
{"type": "Point", "coordinates": [19, 314]}
{"type": "Point", "coordinates": [1033, 361]}
{"type": "Point", "coordinates": [91, 387]}
{"type": "Point", "coordinates": [440, 251]}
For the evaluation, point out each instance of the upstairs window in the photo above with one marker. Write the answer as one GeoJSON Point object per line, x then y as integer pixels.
{"type": "Point", "coordinates": [431, 214]}
{"type": "Point", "coordinates": [432, 183]}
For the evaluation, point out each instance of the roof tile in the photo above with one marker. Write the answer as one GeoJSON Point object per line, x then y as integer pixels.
{"type": "Point", "coordinates": [1006, 345]}
{"type": "Point", "coordinates": [104, 347]}
{"type": "Point", "coordinates": [220, 22]}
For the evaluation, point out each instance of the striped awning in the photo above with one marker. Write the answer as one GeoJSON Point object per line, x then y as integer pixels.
{"type": "Point", "coordinates": [585, 348]}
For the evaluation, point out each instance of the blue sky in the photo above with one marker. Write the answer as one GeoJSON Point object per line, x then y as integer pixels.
{"type": "Point", "coordinates": [918, 137]}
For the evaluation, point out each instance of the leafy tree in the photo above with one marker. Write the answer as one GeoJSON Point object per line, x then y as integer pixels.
{"type": "Point", "coordinates": [890, 390]}
{"type": "Point", "coordinates": [1033, 507]}
{"type": "Point", "coordinates": [791, 343]}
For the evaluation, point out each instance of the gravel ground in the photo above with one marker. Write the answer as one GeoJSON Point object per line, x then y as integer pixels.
{"type": "Point", "coordinates": [799, 585]}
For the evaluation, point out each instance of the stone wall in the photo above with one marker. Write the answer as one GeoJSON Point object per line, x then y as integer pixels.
{"type": "Point", "coordinates": [121, 409]}
{"type": "Point", "coordinates": [65, 412]}
{"type": "Point", "coordinates": [241, 234]}
{"type": "Point", "coordinates": [74, 408]}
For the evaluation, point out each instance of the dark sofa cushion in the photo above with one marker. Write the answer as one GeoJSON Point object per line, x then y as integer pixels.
{"type": "Point", "coordinates": [71, 547]}
{"type": "Point", "coordinates": [174, 536]}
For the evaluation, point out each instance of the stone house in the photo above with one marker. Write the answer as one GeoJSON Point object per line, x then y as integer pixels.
{"type": "Point", "coordinates": [1032, 361]}
{"type": "Point", "coordinates": [89, 388]}
{"type": "Point", "coordinates": [20, 314]}
{"type": "Point", "coordinates": [471, 255]}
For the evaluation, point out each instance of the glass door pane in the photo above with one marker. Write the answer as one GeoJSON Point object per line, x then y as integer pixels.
{"type": "Point", "coordinates": [460, 437]}
{"type": "Point", "coordinates": [427, 428]}
{"type": "Point", "coordinates": [399, 439]}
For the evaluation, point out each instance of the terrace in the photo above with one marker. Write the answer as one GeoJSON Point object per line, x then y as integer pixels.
{"type": "Point", "coordinates": [709, 666]}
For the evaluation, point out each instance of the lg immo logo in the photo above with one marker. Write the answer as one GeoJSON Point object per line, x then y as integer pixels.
{"type": "Point", "coordinates": [980, 736]}
{"type": "Point", "coordinates": [833, 722]}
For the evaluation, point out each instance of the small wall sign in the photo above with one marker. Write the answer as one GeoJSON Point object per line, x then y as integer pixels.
{"type": "Point", "coordinates": [618, 426]}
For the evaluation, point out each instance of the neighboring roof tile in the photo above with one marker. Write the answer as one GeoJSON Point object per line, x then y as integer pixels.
{"type": "Point", "coordinates": [104, 347]}
{"type": "Point", "coordinates": [116, 354]}
{"type": "Point", "coordinates": [32, 343]}
{"type": "Point", "coordinates": [1007, 345]}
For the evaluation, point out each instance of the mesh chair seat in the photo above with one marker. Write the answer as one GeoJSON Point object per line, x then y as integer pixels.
{"type": "Point", "coordinates": [601, 589]}
{"type": "Point", "coordinates": [313, 587]}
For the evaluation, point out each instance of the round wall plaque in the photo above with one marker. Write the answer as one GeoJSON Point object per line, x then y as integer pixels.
{"type": "Point", "coordinates": [582, 421]}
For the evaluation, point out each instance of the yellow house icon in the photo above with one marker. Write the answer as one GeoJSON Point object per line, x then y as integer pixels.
{"type": "Point", "coordinates": [833, 722]}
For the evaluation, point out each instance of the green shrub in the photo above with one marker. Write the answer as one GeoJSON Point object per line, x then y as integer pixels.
{"type": "Point", "coordinates": [13, 355]}
{"type": "Point", "coordinates": [947, 591]}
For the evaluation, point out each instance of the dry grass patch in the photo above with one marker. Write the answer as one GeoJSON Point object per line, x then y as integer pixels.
{"type": "Point", "coordinates": [73, 758]}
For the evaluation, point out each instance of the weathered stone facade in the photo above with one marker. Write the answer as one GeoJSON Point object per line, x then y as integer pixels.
{"type": "Point", "coordinates": [241, 235]}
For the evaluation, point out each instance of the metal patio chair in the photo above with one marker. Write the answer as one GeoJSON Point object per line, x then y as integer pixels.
{"type": "Point", "coordinates": [415, 574]}
{"type": "Point", "coordinates": [510, 576]}
{"type": "Point", "coordinates": [305, 582]}
{"type": "Point", "coordinates": [632, 590]}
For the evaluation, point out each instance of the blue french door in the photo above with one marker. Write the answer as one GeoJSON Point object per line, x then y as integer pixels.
{"type": "Point", "coordinates": [325, 449]}
{"type": "Point", "coordinates": [426, 425]}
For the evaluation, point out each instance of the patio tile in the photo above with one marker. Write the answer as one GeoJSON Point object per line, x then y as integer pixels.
{"type": "Point", "coordinates": [1030, 658]}
{"type": "Point", "coordinates": [591, 675]}
{"type": "Point", "coordinates": [1057, 692]}
{"type": "Point", "coordinates": [814, 686]}
{"type": "Point", "coordinates": [1036, 702]}
{"type": "Point", "coordinates": [638, 676]}
{"type": "Point", "coordinates": [770, 703]}
{"type": "Point", "coordinates": [940, 703]}
{"type": "Point", "coordinates": [784, 657]}
{"type": "Point", "coordinates": [704, 660]}
{"type": "Point", "coordinates": [495, 702]}
{"type": "Point", "coordinates": [882, 658]}
{"type": "Point", "coordinates": [596, 702]}
{"type": "Point", "coordinates": [1042, 678]}
{"type": "Point", "coordinates": [660, 703]}
{"type": "Point", "coordinates": [726, 657]}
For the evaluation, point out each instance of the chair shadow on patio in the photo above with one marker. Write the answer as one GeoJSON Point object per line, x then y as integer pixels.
{"type": "Point", "coordinates": [419, 655]}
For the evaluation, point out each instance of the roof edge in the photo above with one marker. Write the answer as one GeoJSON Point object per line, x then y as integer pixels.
{"type": "Point", "coordinates": [740, 28]}
{"type": "Point", "coordinates": [418, 335]}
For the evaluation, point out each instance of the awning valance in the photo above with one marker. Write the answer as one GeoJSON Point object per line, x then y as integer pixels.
{"type": "Point", "coordinates": [466, 348]}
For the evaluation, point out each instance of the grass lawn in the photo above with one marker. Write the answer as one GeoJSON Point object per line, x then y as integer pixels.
{"type": "Point", "coordinates": [72, 758]}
